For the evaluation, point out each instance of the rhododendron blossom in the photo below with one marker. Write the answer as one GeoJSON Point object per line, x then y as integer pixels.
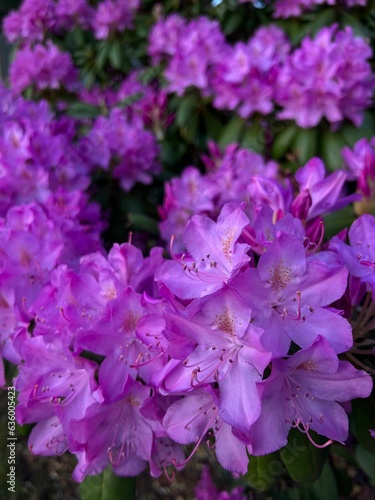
{"type": "Point", "coordinates": [165, 284]}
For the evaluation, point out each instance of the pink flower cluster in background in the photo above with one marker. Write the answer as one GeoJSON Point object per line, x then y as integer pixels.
{"type": "Point", "coordinates": [294, 8]}
{"type": "Point", "coordinates": [44, 66]}
{"type": "Point", "coordinates": [36, 18]}
{"type": "Point", "coordinates": [327, 77]}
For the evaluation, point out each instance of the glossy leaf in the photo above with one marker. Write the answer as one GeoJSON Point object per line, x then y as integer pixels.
{"type": "Point", "coordinates": [141, 222]}
{"type": "Point", "coordinates": [332, 145]}
{"type": "Point", "coordinates": [186, 110]}
{"type": "Point", "coordinates": [366, 460]}
{"type": "Point", "coordinates": [337, 221]}
{"type": "Point", "coordinates": [83, 110]}
{"type": "Point", "coordinates": [325, 486]}
{"type": "Point", "coordinates": [115, 54]}
{"type": "Point", "coordinates": [305, 144]}
{"type": "Point", "coordinates": [283, 141]}
{"type": "Point", "coordinates": [263, 471]}
{"type": "Point", "coordinates": [232, 132]}
{"type": "Point", "coordinates": [344, 482]}
{"type": "Point", "coordinates": [363, 419]}
{"type": "Point", "coordinates": [107, 486]}
{"type": "Point", "coordinates": [303, 460]}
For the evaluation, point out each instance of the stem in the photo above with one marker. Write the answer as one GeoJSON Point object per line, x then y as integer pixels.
{"type": "Point", "coordinates": [355, 350]}
{"type": "Point", "coordinates": [356, 361]}
{"type": "Point", "coordinates": [368, 310]}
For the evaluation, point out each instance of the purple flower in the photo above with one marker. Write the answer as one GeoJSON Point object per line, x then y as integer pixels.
{"type": "Point", "coordinates": [294, 8]}
{"type": "Point", "coordinates": [228, 351]}
{"type": "Point", "coordinates": [164, 36]}
{"type": "Point", "coordinates": [289, 294]}
{"type": "Point", "coordinates": [326, 193]}
{"type": "Point", "coordinates": [326, 77]}
{"type": "Point", "coordinates": [214, 255]}
{"type": "Point", "coordinates": [304, 391]}
{"type": "Point", "coordinates": [133, 149]}
{"type": "Point", "coordinates": [361, 164]}
{"type": "Point", "coordinates": [190, 419]}
{"type": "Point", "coordinates": [193, 48]}
{"type": "Point", "coordinates": [359, 256]}
{"type": "Point", "coordinates": [115, 434]}
{"type": "Point", "coordinates": [43, 66]}
{"type": "Point", "coordinates": [112, 16]}
{"type": "Point", "coordinates": [206, 489]}
{"type": "Point", "coordinates": [70, 13]}
{"type": "Point", "coordinates": [244, 77]}
{"type": "Point", "coordinates": [31, 21]}
{"type": "Point", "coordinates": [53, 382]}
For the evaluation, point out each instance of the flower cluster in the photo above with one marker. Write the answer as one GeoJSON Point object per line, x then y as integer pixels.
{"type": "Point", "coordinates": [328, 76]}
{"type": "Point", "coordinates": [46, 217]}
{"type": "Point", "coordinates": [123, 146]}
{"type": "Point", "coordinates": [251, 327]}
{"type": "Point", "coordinates": [245, 77]}
{"type": "Point", "coordinates": [114, 15]}
{"type": "Point", "coordinates": [242, 175]}
{"type": "Point", "coordinates": [35, 19]}
{"type": "Point", "coordinates": [294, 8]}
{"type": "Point", "coordinates": [44, 67]}
{"type": "Point", "coordinates": [192, 48]}
{"type": "Point", "coordinates": [194, 347]}
{"type": "Point", "coordinates": [39, 156]}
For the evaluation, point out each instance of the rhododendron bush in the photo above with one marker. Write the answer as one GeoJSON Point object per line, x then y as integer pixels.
{"type": "Point", "coordinates": [187, 259]}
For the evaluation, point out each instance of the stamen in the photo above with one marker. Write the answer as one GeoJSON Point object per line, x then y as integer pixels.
{"type": "Point", "coordinates": [172, 477]}
{"type": "Point", "coordinates": [137, 365]}
{"type": "Point", "coordinates": [330, 441]}
{"type": "Point", "coordinates": [198, 442]}
{"type": "Point", "coordinates": [63, 315]}
{"type": "Point", "coordinates": [193, 272]}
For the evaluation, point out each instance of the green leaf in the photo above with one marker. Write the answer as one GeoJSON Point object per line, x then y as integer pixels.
{"type": "Point", "coordinates": [102, 55]}
{"type": "Point", "coordinates": [324, 18]}
{"type": "Point", "coordinates": [303, 460]}
{"type": "Point", "coordinates": [283, 141]}
{"type": "Point", "coordinates": [363, 419]}
{"type": "Point", "coordinates": [349, 20]}
{"type": "Point", "coordinates": [88, 75]}
{"type": "Point", "coordinates": [337, 221]}
{"type": "Point", "coordinates": [353, 134]}
{"type": "Point", "coordinates": [83, 110]}
{"type": "Point", "coordinates": [332, 144]}
{"type": "Point", "coordinates": [263, 471]}
{"type": "Point", "coordinates": [115, 54]}
{"type": "Point", "coordinates": [186, 110]}
{"type": "Point", "coordinates": [143, 222]}
{"type": "Point", "coordinates": [325, 486]}
{"type": "Point", "coordinates": [306, 144]}
{"type": "Point", "coordinates": [290, 494]}
{"type": "Point", "coordinates": [107, 486]}
{"type": "Point", "coordinates": [253, 137]}
{"type": "Point", "coordinates": [232, 132]}
{"type": "Point", "coordinates": [366, 460]}
{"type": "Point", "coordinates": [213, 125]}
{"type": "Point", "coordinates": [344, 482]}
{"type": "Point", "coordinates": [233, 22]}
{"type": "Point", "coordinates": [128, 101]}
